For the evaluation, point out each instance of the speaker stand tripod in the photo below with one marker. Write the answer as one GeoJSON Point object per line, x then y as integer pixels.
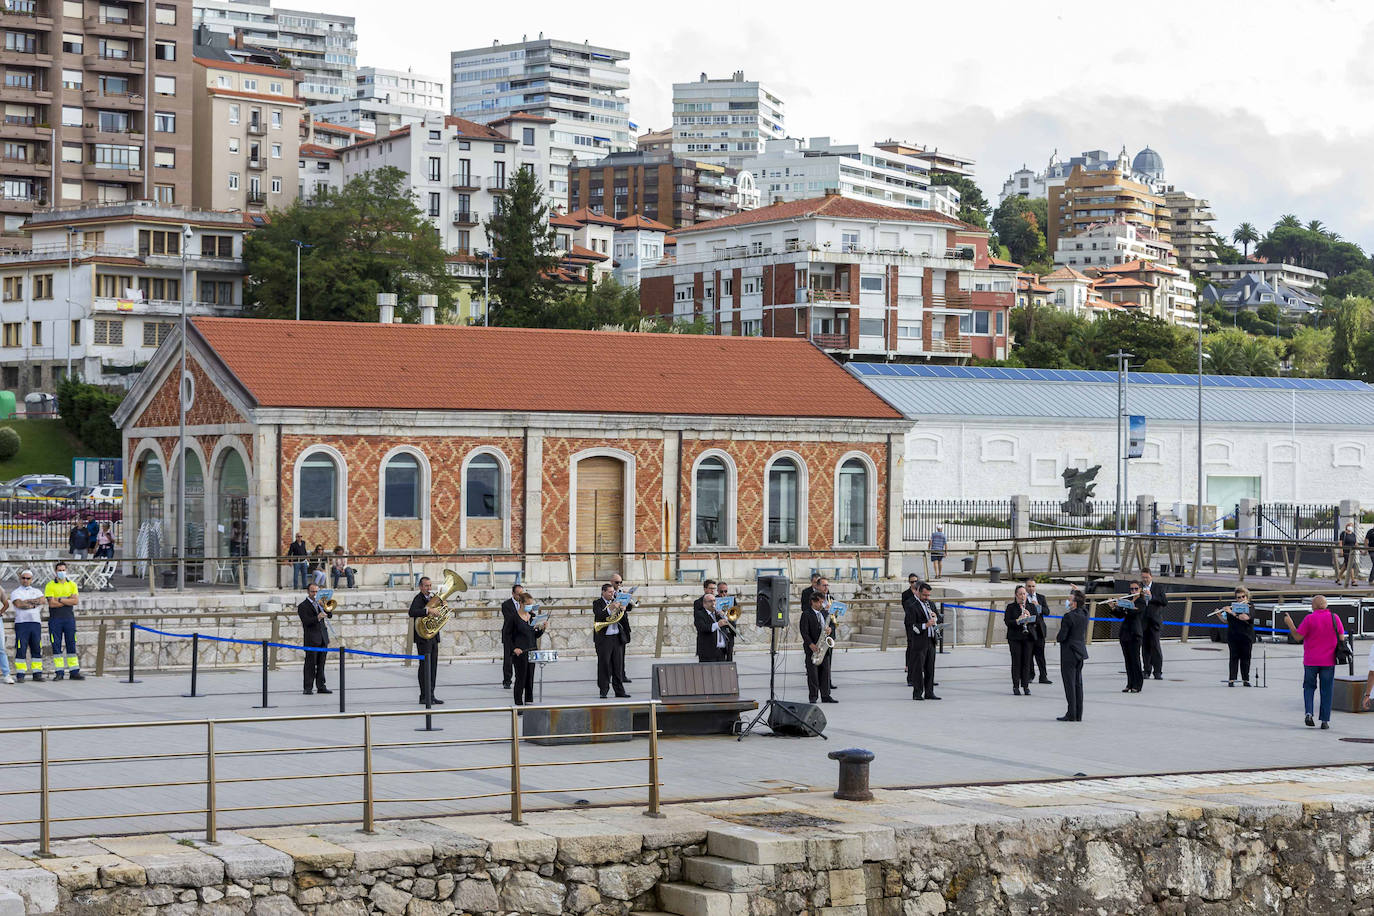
{"type": "Point", "coordinates": [772, 695]}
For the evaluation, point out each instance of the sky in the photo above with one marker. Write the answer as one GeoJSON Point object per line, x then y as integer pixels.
{"type": "Point", "coordinates": [1263, 107]}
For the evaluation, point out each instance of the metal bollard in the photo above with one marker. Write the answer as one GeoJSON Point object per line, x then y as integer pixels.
{"type": "Point", "coordinates": [132, 630]}
{"type": "Point", "coordinates": [195, 663]}
{"type": "Point", "coordinates": [265, 704]}
{"type": "Point", "coordinates": [429, 698]}
{"type": "Point", "coordinates": [342, 690]}
{"type": "Point", "coordinates": [854, 763]}
{"type": "Point", "coordinates": [994, 574]}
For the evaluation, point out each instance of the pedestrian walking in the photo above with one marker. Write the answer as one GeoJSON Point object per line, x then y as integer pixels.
{"type": "Point", "coordinates": [1319, 633]}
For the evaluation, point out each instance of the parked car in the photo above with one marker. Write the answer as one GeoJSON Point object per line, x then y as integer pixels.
{"type": "Point", "coordinates": [107, 493]}
{"type": "Point", "coordinates": [32, 481]}
{"type": "Point", "coordinates": [61, 491]}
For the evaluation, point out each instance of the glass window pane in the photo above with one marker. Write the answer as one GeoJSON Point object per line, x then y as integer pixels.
{"type": "Point", "coordinates": [482, 488]}
{"type": "Point", "coordinates": [711, 504]}
{"type": "Point", "coordinates": [782, 502]}
{"type": "Point", "coordinates": [318, 476]}
{"type": "Point", "coordinates": [851, 503]}
{"type": "Point", "coordinates": [402, 489]}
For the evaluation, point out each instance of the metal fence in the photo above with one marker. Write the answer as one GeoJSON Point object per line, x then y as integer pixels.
{"type": "Point", "coordinates": [46, 524]}
{"type": "Point", "coordinates": [1051, 516]}
{"type": "Point", "coordinates": [1295, 522]}
{"type": "Point", "coordinates": [963, 519]}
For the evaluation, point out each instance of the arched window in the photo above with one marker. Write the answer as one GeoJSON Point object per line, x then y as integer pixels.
{"type": "Point", "coordinates": [482, 488]}
{"type": "Point", "coordinates": [712, 503]}
{"type": "Point", "coordinates": [851, 503]}
{"type": "Point", "coordinates": [784, 502]}
{"type": "Point", "coordinates": [318, 487]}
{"type": "Point", "coordinates": [402, 487]}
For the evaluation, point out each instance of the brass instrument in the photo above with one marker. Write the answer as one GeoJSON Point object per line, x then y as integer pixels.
{"type": "Point", "coordinates": [612, 619]}
{"type": "Point", "coordinates": [329, 605]}
{"type": "Point", "coordinates": [428, 627]}
{"type": "Point", "coordinates": [824, 644]}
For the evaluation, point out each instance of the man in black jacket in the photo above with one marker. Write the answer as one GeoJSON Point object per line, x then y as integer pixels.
{"type": "Point", "coordinates": [815, 627]}
{"type": "Point", "coordinates": [508, 609]}
{"type": "Point", "coordinates": [1073, 652]}
{"type": "Point", "coordinates": [710, 634]}
{"type": "Point", "coordinates": [316, 635]}
{"type": "Point", "coordinates": [919, 619]}
{"type": "Point", "coordinates": [1131, 636]}
{"type": "Point", "coordinates": [609, 642]}
{"type": "Point", "coordinates": [428, 669]}
{"type": "Point", "coordinates": [619, 585]}
{"type": "Point", "coordinates": [1156, 600]}
{"type": "Point", "coordinates": [1041, 630]}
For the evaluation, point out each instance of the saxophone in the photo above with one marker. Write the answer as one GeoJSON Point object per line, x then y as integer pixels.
{"type": "Point", "coordinates": [824, 644]}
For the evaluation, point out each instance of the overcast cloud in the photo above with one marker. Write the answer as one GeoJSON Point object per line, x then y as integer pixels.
{"type": "Point", "coordinates": [1262, 106]}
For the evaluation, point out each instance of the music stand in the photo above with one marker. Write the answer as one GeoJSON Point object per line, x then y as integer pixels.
{"type": "Point", "coordinates": [772, 695]}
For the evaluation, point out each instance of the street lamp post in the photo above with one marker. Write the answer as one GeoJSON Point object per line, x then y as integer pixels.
{"type": "Point", "coordinates": [71, 231]}
{"type": "Point", "coordinates": [299, 245]}
{"type": "Point", "coordinates": [487, 258]}
{"type": "Point", "coordinates": [1121, 358]}
{"type": "Point", "coordinates": [181, 424]}
{"type": "Point", "coordinates": [1198, 519]}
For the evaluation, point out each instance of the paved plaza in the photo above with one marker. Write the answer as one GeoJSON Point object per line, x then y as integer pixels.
{"type": "Point", "coordinates": [1191, 721]}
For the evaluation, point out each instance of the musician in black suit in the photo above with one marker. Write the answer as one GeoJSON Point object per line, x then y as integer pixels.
{"type": "Point", "coordinates": [609, 642]}
{"type": "Point", "coordinates": [1156, 601]}
{"type": "Point", "coordinates": [1073, 652]}
{"type": "Point", "coordinates": [815, 627]}
{"type": "Point", "coordinates": [428, 669]}
{"type": "Point", "coordinates": [1021, 618]}
{"type": "Point", "coordinates": [509, 607]}
{"type": "Point", "coordinates": [316, 635]}
{"type": "Point", "coordinates": [1131, 636]}
{"type": "Point", "coordinates": [919, 619]}
{"type": "Point", "coordinates": [707, 588]}
{"type": "Point", "coordinates": [804, 602]}
{"type": "Point", "coordinates": [1041, 631]}
{"type": "Point", "coordinates": [822, 588]}
{"type": "Point", "coordinates": [728, 653]}
{"type": "Point", "coordinates": [619, 584]}
{"type": "Point", "coordinates": [524, 639]}
{"type": "Point", "coordinates": [710, 629]}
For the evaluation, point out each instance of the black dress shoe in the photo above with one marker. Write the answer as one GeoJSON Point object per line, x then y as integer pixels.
{"type": "Point", "coordinates": [1045, 680]}
{"type": "Point", "coordinates": [917, 697]}
{"type": "Point", "coordinates": [1065, 719]}
{"type": "Point", "coordinates": [622, 696]}
{"type": "Point", "coordinates": [1016, 691]}
{"type": "Point", "coordinates": [1326, 724]}
{"type": "Point", "coordinates": [77, 676]}
{"type": "Point", "coordinates": [307, 692]}
{"type": "Point", "coordinates": [931, 696]}
{"type": "Point", "coordinates": [1247, 683]}
{"type": "Point", "coordinates": [505, 685]}
{"type": "Point", "coordinates": [324, 690]}
{"type": "Point", "coordinates": [829, 700]}
{"type": "Point", "coordinates": [434, 701]}
{"type": "Point", "coordinates": [1126, 690]}
{"type": "Point", "coordinates": [1026, 689]}
{"type": "Point", "coordinates": [603, 696]}
{"type": "Point", "coordinates": [1159, 677]}
{"type": "Point", "coordinates": [1307, 720]}
{"type": "Point", "coordinates": [624, 680]}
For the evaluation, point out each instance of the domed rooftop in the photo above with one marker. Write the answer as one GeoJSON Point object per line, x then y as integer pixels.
{"type": "Point", "coordinates": [1148, 162]}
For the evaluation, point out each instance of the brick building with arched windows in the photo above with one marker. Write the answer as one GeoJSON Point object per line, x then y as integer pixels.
{"type": "Point", "coordinates": [435, 440]}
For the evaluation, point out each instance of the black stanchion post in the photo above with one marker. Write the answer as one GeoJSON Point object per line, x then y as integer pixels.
{"type": "Point", "coordinates": [195, 662]}
{"type": "Point", "coordinates": [264, 678]}
{"type": "Point", "coordinates": [429, 697]}
{"type": "Point", "coordinates": [133, 628]}
{"type": "Point", "coordinates": [342, 689]}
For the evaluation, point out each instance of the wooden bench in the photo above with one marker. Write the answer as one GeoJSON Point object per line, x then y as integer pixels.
{"type": "Point", "coordinates": [855, 572]}
{"type": "Point", "coordinates": [482, 574]}
{"type": "Point", "coordinates": [682, 574]}
{"type": "Point", "coordinates": [769, 571]}
{"type": "Point", "coordinates": [412, 578]}
{"type": "Point", "coordinates": [832, 572]}
{"type": "Point", "coordinates": [696, 698]}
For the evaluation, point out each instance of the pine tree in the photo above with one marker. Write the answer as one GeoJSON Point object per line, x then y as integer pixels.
{"type": "Point", "coordinates": [524, 289]}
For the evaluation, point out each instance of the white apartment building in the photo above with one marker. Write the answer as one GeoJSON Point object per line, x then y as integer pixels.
{"type": "Point", "coordinates": [637, 243]}
{"type": "Point", "coordinates": [322, 46]}
{"type": "Point", "coordinates": [1303, 278]}
{"type": "Point", "coordinates": [255, 20]}
{"type": "Point", "coordinates": [1108, 244]}
{"type": "Point", "coordinates": [793, 169]}
{"type": "Point", "coordinates": [726, 121]}
{"type": "Point", "coordinates": [583, 87]}
{"type": "Point", "coordinates": [1191, 221]}
{"type": "Point", "coordinates": [386, 100]}
{"type": "Point", "coordinates": [458, 173]}
{"type": "Point", "coordinates": [101, 288]}
{"type": "Point", "coordinates": [941, 160]}
{"type": "Point", "coordinates": [1147, 167]}
{"type": "Point", "coordinates": [319, 170]}
{"type": "Point", "coordinates": [1131, 267]}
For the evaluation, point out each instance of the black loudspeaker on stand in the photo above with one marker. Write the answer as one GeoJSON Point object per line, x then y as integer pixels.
{"type": "Point", "coordinates": [784, 717]}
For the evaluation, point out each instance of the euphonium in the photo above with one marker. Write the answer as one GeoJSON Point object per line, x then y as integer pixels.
{"type": "Point", "coordinates": [428, 627]}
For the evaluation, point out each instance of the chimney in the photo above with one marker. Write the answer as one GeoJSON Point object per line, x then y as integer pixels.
{"type": "Point", "coordinates": [832, 192]}
{"type": "Point", "coordinates": [386, 308]}
{"type": "Point", "coordinates": [429, 304]}
{"type": "Point", "coordinates": [778, 199]}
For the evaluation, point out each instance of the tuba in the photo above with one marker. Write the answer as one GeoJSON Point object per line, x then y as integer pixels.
{"type": "Point", "coordinates": [428, 627]}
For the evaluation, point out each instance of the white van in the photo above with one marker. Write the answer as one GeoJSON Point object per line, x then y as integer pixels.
{"type": "Point", "coordinates": [107, 493]}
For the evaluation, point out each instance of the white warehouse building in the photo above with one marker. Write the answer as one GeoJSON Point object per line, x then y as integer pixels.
{"type": "Point", "coordinates": [990, 433]}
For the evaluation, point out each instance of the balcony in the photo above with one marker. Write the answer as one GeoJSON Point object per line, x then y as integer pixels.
{"type": "Point", "coordinates": [24, 14]}
{"type": "Point", "coordinates": [114, 26]}
{"type": "Point", "coordinates": [831, 341]}
{"type": "Point", "coordinates": [126, 101]}
{"type": "Point", "coordinates": [25, 165]}
{"type": "Point", "coordinates": [497, 184]}
{"type": "Point", "coordinates": [130, 136]}
{"type": "Point", "coordinates": [951, 303]}
{"type": "Point", "coordinates": [828, 295]}
{"type": "Point", "coordinates": [461, 181]}
{"type": "Point", "coordinates": [168, 308]}
{"type": "Point", "coordinates": [257, 128]}
{"type": "Point", "coordinates": [257, 163]}
{"type": "Point", "coordinates": [466, 218]}
{"type": "Point", "coordinates": [256, 198]}
{"type": "Point", "coordinates": [113, 62]}
{"type": "Point", "coordinates": [104, 171]}
{"type": "Point", "coordinates": [15, 58]}
{"type": "Point", "coordinates": [953, 345]}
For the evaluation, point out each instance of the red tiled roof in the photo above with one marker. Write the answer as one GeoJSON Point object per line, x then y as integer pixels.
{"type": "Point", "coordinates": [586, 215]}
{"type": "Point", "coordinates": [565, 220]}
{"type": "Point", "coordinates": [586, 254]}
{"type": "Point", "coordinates": [1135, 267]}
{"type": "Point", "coordinates": [260, 69]}
{"type": "Point", "coordinates": [643, 222]}
{"type": "Point", "coordinates": [322, 152]}
{"type": "Point", "coordinates": [1123, 281]}
{"type": "Point", "coordinates": [833, 206]}
{"type": "Point", "coordinates": [390, 367]}
{"type": "Point", "coordinates": [1003, 265]}
{"type": "Point", "coordinates": [1065, 273]}
{"type": "Point", "coordinates": [473, 130]}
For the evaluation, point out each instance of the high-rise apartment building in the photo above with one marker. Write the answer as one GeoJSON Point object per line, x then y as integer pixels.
{"type": "Point", "coordinates": [97, 104]}
{"type": "Point", "coordinates": [253, 21]}
{"type": "Point", "coordinates": [385, 100]}
{"type": "Point", "coordinates": [1101, 196]}
{"type": "Point", "coordinates": [1190, 228]}
{"type": "Point", "coordinates": [725, 120]}
{"type": "Point", "coordinates": [247, 136]}
{"type": "Point", "coordinates": [583, 87]}
{"type": "Point", "coordinates": [669, 189]}
{"type": "Point", "coordinates": [322, 46]}
{"type": "Point", "coordinates": [793, 169]}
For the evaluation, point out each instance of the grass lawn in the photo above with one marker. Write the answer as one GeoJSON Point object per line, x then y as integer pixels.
{"type": "Point", "coordinates": [47, 448]}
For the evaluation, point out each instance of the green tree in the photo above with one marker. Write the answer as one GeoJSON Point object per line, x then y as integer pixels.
{"type": "Point", "coordinates": [367, 238]}
{"type": "Point", "coordinates": [1309, 351]}
{"type": "Point", "coordinates": [86, 411]}
{"type": "Point", "coordinates": [1225, 253]}
{"type": "Point", "coordinates": [1352, 323]}
{"type": "Point", "coordinates": [1337, 258]}
{"type": "Point", "coordinates": [973, 206]}
{"type": "Point", "coordinates": [1155, 364]}
{"type": "Point", "coordinates": [1226, 352]}
{"type": "Point", "coordinates": [1245, 235]}
{"type": "Point", "coordinates": [606, 304]}
{"type": "Point", "coordinates": [525, 290]}
{"type": "Point", "coordinates": [1269, 312]}
{"type": "Point", "coordinates": [1020, 228]}
{"type": "Point", "coordinates": [1356, 283]}
{"type": "Point", "coordinates": [9, 442]}
{"type": "Point", "coordinates": [1288, 221]}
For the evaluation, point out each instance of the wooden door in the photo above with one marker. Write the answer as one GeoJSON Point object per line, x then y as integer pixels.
{"type": "Point", "coordinates": [600, 517]}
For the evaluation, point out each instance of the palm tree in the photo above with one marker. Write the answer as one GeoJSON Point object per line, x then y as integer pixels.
{"type": "Point", "coordinates": [1226, 352]}
{"type": "Point", "coordinates": [1245, 235]}
{"type": "Point", "coordinates": [1316, 225]}
{"type": "Point", "coordinates": [1260, 356]}
{"type": "Point", "coordinates": [1289, 220]}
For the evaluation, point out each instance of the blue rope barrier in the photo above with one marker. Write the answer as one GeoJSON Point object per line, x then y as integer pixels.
{"type": "Point", "coordinates": [279, 645]}
{"type": "Point", "coordinates": [1168, 623]}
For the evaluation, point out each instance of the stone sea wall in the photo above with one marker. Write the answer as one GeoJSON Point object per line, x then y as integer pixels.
{"type": "Point", "coordinates": [1300, 847]}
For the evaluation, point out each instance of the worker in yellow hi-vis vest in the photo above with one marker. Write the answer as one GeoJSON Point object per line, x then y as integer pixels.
{"type": "Point", "coordinates": [62, 598]}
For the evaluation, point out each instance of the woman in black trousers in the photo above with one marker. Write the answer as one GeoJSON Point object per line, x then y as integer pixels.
{"type": "Point", "coordinates": [1073, 652]}
{"type": "Point", "coordinates": [524, 639]}
{"type": "Point", "coordinates": [1020, 619]}
{"type": "Point", "coordinates": [1240, 637]}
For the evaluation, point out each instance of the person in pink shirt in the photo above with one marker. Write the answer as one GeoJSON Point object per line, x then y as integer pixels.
{"type": "Point", "coordinates": [1318, 633]}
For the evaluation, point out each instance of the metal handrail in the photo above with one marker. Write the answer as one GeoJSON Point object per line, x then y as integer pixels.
{"type": "Point", "coordinates": [369, 801]}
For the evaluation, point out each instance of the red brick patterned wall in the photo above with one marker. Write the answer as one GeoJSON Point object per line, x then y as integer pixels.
{"type": "Point", "coordinates": [363, 455]}
{"type": "Point", "coordinates": [208, 409]}
{"type": "Point", "coordinates": [751, 457]}
{"type": "Point", "coordinates": [648, 454]}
